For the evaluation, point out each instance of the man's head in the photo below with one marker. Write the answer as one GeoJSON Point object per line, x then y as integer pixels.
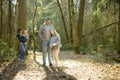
{"type": "Point", "coordinates": [47, 20]}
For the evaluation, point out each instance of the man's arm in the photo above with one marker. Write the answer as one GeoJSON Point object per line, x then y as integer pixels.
{"type": "Point", "coordinates": [40, 33]}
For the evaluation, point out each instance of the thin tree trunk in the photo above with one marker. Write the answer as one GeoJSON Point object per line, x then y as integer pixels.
{"type": "Point", "coordinates": [0, 22]}
{"type": "Point", "coordinates": [33, 25]}
{"type": "Point", "coordinates": [119, 32]}
{"type": "Point", "coordinates": [63, 20]}
{"type": "Point", "coordinates": [95, 25]}
{"type": "Point", "coordinates": [80, 19]}
{"type": "Point", "coordinates": [70, 23]}
{"type": "Point", "coordinates": [9, 25]}
{"type": "Point", "coordinates": [114, 28]}
{"type": "Point", "coordinates": [1, 19]}
{"type": "Point", "coordinates": [74, 27]}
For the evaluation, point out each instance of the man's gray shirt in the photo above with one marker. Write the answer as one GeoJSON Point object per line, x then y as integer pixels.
{"type": "Point", "coordinates": [44, 31]}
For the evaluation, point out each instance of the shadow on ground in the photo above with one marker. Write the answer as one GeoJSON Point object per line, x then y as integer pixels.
{"type": "Point", "coordinates": [57, 73]}
{"type": "Point", "coordinates": [12, 69]}
{"type": "Point", "coordinates": [35, 57]}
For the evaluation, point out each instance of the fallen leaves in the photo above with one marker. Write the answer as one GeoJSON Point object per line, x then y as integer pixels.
{"type": "Point", "coordinates": [72, 67]}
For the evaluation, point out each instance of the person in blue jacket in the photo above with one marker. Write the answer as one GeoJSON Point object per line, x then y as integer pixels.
{"type": "Point", "coordinates": [23, 42]}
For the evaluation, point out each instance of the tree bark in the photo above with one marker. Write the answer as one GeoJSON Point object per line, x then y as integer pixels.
{"type": "Point", "coordinates": [0, 22]}
{"type": "Point", "coordinates": [33, 25]}
{"type": "Point", "coordinates": [119, 32]}
{"type": "Point", "coordinates": [63, 20]}
{"type": "Point", "coordinates": [80, 19]}
{"type": "Point", "coordinates": [96, 23]}
{"type": "Point", "coordinates": [1, 19]}
{"type": "Point", "coordinates": [74, 27]}
{"type": "Point", "coordinates": [9, 25]}
{"type": "Point", "coordinates": [22, 14]}
{"type": "Point", "coordinates": [70, 23]}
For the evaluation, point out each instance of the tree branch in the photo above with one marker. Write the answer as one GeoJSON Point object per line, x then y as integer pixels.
{"type": "Point", "coordinates": [116, 22]}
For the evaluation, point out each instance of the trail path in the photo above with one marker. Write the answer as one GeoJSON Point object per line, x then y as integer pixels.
{"type": "Point", "coordinates": [72, 67]}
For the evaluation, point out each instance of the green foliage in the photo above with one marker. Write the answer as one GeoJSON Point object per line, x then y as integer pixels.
{"type": "Point", "coordinates": [98, 13]}
{"type": "Point", "coordinates": [6, 53]}
{"type": "Point", "coordinates": [67, 47]}
{"type": "Point", "coordinates": [5, 48]}
{"type": "Point", "coordinates": [117, 59]}
{"type": "Point", "coordinates": [3, 45]}
{"type": "Point", "coordinates": [101, 48]}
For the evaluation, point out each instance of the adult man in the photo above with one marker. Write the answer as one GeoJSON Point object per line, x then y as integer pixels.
{"type": "Point", "coordinates": [44, 34]}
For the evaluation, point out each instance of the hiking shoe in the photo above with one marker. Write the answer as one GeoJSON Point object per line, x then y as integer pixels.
{"type": "Point", "coordinates": [50, 64]}
{"type": "Point", "coordinates": [44, 64]}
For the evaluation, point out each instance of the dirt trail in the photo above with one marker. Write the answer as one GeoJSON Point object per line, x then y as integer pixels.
{"type": "Point", "coordinates": [72, 67]}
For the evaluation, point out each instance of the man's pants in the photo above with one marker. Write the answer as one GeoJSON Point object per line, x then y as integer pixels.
{"type": "Point", "coordinates": [45, 49]}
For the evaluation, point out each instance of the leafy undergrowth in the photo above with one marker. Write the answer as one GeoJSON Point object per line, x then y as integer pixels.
{"type": "Point", "coordinates": [71, 67]}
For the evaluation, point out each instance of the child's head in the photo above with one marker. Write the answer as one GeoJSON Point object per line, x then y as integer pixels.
{"type": "Point", "coordinates": [53, 32]}
{"type": "Point", "coordinates": [25, 32]}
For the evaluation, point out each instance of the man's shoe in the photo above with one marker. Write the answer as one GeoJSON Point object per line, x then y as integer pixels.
{"type": "Point", "coordinates": [50, 64]}
{"type": "Point", "coordinates": [44, 64]}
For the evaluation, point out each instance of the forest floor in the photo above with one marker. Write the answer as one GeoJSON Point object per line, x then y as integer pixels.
{"type": "Point", "coordinates": [72, 67]}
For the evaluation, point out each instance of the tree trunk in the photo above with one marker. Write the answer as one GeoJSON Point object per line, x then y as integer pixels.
{"type": "Point", "coordinates": [33, 25]}
{"type": "Point", "coordinates": [114, 36]}
{"type": "Point", "coordinates": [80, 19]}
{"type": "Point", "coordinates": [63, 20]}
{"type": "Point", "coordinates": [9, 25]}
{"type": "Point", "coordinates": [119, 32]}
{"type": "Point", "coordinates": [95, 21]}
{"type": "Point", "coordinates": [22, 14]}
{"type": "Point", "coordinates": [1, 19]}
{"type": "Point", "coordinates": [70, 23]}
{"type": "Point", "coordinates": [74, 27]}
{"type": "Point", "coordinates": [0, 22]}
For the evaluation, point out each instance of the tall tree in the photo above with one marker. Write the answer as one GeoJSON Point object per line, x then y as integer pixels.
{"type": "Point", "coordinates": [63, 20]}
{"type": "Point", "coordinates": [22, 23]}
{"type": "Point", "coordinates": [70, 22]}
{"type": "Point", "coordinates": [80, 19]}
{"type": "Point", "coordinates": [119, 31]}
{"type": "Point", "coordinates": [22, 13]}
{"type": "Point", "coordinates": [95, 22]}
{"type": "Point", "coordinates": [0, 22]}
{"type": "Point", "coordinates": [9, 25]}
{"type": "Point", "coordinates": [74, 27]}
{"type": "Point", "coordinates": [1, 18]}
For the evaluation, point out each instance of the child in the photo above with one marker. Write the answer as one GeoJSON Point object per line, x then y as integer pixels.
{"type": "Point", "coordinates": [25, 34]}
{"type": "Point", "coordinates": [55, 45]}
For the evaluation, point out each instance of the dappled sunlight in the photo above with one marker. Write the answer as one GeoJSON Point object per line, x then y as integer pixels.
{"type": "Point", "coordinates": [85, 67]}
{"type": "Point", "coordinates": [89, 66]}
{"type": "Point", "coordinates": [29, 75]}
{"type": "Point", "coordinates": [71, 67]}
{"type": "Point", "coordinates": [87, 58]}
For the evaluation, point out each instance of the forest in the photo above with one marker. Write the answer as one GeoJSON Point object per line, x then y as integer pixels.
{"type": "Point", "coordinates": [90, 38]}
